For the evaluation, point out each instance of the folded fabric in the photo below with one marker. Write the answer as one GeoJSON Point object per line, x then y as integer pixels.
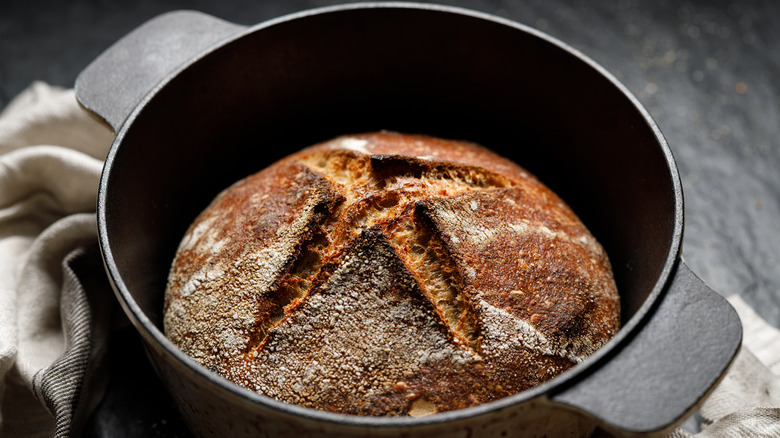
{"type": "Point", "coordinates": [51, 155]}
{"type": "Point", "coordinates": [55, 302]}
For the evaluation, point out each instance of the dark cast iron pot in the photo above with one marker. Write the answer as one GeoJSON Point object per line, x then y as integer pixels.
{"type": "Point", "coordinates": [197, 103]}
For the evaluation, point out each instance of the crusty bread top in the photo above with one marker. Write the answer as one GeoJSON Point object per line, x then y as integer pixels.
{"type": "Point", "coordinates": [390, 274]}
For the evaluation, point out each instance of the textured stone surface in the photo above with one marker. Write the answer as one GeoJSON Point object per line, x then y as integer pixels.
{"type": "Point", "coordinates": [709, 73]}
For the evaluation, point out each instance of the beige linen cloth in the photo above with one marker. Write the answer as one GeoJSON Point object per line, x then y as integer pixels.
{"type": "Point", "coordinates": [53, 328]}
{"type": "Point", "coordinates": [55, 302]}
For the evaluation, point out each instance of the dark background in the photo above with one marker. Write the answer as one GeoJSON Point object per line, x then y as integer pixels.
{"type": "Point", "coordinates": [708, 72]}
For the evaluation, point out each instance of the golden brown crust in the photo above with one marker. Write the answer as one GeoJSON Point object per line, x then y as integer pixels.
{"type": "Point", "coordinates": [390, 274]}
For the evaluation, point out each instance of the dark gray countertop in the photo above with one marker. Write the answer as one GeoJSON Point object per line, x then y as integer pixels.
{"type": "Point", "coordinates": [709, 73]}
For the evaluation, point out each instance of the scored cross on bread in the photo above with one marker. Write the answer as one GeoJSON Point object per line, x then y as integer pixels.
{"type": "Point", "coordinates": [390, 274]}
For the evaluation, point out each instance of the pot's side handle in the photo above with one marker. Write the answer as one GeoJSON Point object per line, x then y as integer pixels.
{"type": "Point", "coordinates": [117, 80]}
{"type": "Point", "coordinates": [664, 373]}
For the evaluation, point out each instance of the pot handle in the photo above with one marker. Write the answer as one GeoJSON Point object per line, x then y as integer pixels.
{"type": "Point", "coordinates": [664, 372]}
{"type": "Point", "coordinates": [117, 80]}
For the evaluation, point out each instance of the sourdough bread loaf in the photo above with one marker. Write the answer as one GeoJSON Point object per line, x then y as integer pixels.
{"type": "Point", "coordinates": [390, 274]}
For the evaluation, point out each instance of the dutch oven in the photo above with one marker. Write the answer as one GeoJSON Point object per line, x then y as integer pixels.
{"type": "Point", "coordinates": [198, 103]}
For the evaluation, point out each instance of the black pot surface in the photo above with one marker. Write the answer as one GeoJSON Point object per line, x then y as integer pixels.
{"type": "Point", "coordinates": [236, 99]}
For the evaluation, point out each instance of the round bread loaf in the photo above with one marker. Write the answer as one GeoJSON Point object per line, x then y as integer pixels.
{"type": "Point", "coordinates": [390, 274]}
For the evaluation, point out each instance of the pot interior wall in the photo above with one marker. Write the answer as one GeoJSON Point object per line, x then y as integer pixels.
{"type": "Point", "coordinates": [295, 83]}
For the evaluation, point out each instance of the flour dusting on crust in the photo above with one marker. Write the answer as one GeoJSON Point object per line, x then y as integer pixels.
{"type": "Point", "coordinates": [390, 274]}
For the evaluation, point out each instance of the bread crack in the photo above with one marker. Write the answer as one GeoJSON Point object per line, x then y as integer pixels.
{"type": "Point", "coordinates": [292, 287]}
{"type": "Point", "coordinates": [426, 256]}
{"type": "Point", "coordinates": [387, 169]}
{"type": "Point", "coordinates": [377, 188]}
{"type": "Point", "coordinates": [382, 192]}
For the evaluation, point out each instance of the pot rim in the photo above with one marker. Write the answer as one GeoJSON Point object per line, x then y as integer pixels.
{"type": "Point", "coordinates": [151, 333]}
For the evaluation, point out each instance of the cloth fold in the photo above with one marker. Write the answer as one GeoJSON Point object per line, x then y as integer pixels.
{"type": "Point", "coordinates": [55, 301]}
{"type": "Point", "coordinates": [71, 387]}
{"type": "Point", "coordinates": [52, 293]}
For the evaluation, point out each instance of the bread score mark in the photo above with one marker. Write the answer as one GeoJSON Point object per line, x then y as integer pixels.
{"type": "Point", "coordinates": [386, 189]}
{"type": "Point", "coordinates": [250, 267]}
{"type": "Point", "coordinates": [368, 325]}
{"type": "Point", "coordinates": [542, 270]}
